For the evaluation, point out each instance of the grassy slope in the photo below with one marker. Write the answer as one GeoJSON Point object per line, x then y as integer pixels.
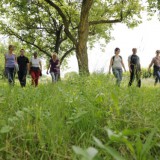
{"type": "Point", "coordinates": [45, 122]}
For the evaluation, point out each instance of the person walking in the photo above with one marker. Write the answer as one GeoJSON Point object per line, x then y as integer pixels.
{"type": "Point", "coordinates": [134, 68]}
{"type": "Point", "coordinates": [116, 63]}
{"type": "Point", "coordinates": [156, 67]}
{"type": "Point", "coordinates": [23, 64]}
{"type": "Point", "coordinates": [35, 69]}
{"type": "Point", "coordinates": [54, 66]}
{"type": "Point", "coordinates": [10, 64]}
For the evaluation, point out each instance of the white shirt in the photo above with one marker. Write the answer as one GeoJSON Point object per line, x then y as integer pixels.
{"type": "Point", "coordinates": [35, 62]}
{"type": "Point", "coordinates": [117, 62]}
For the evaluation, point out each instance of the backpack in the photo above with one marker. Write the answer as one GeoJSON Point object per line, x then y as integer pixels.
{"type": "Point", "coordinates": [155, 69]}
{"type": "Point", "coordinates": [134, 59]}
{"type": "Point", "coordinates": [114, 58]}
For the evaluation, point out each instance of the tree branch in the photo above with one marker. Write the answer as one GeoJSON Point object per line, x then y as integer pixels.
{"type": "Point", "coordinates": [65, 21]}
{"type": "Point", "coordinates": [37, 28]}
{"type": "Point", "coordinates": [28, 42]}
{"type": "Point", "coordinates": [66, 54]}
{"type": "Point", "coordinates": [63, 39]}
{"type": "Point", "coordinates": [109, 21]}
{"type": "Point", "coordinates": [104, 21]}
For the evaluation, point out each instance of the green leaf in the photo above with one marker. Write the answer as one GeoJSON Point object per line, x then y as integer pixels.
{"type": "Point", "coordinates": [139, 146]}
{"type": "Point", "coordinates": [92, 152]}
{"type": "Point", "coordinates": [110, 150]}
{"type": "Point", "coordinates": [79, 151]}
{"type": "Point", "coordinates": [99, 143]}
{"type": "Point", "coordinates": [20, 114]}
{"type": "Point", "coordinates": [87, 154]}
{"type": "Point", "coordinates": [148, 144]}
{"type": "Point", "coordinates": [114, 153]}
{"type": "Point", "coordinates": [129, 132]}
{"type": "Point", "coordinates": [6, 129]}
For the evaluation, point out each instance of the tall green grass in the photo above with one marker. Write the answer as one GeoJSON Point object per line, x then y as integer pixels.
{"type": "Point", "coordinates": [60, 121]}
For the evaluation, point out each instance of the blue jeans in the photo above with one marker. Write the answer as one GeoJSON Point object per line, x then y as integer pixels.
{"type": "Point", "coordinates": [10, 75]}
{"type": "Point", "coordinates": [118, 74]}
{"type": "Point", "coordinates": [54, 76]}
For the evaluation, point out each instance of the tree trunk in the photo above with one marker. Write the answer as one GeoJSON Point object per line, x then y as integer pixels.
{"type": "Point", "coordinates": [82, 58]}
{"type": "Point", "coordinates": [83, 32]}
{"type": "Point", "coordinates": [58, 38]}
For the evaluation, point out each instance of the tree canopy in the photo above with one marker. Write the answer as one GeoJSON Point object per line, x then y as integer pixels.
{"type": "Point", "coordinates": [36, 25]}
{"type": "Point", "coordinates": [65, 26]}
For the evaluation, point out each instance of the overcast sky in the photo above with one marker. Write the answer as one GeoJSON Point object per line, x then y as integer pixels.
{"type": "Point", "coordinates": [145, 37]}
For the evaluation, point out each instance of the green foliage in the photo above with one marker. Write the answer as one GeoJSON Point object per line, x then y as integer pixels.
{"type": "Point", "coordinates": [36, 25]}
{"type": "Point", "coordinates": [47, 121]}
{"type": "Point", "coordinates": [139, 148]}
{"type": "Point", "coordinates": [64, 26]}
{"type": "Point", "coordinates": [70, 75]}
{"type": "Point", "coordinates": [146, 74]}
{"type": "Point", "coordinates": [3, 50]}
{"type": "Point", "coordinates": [87, 154]}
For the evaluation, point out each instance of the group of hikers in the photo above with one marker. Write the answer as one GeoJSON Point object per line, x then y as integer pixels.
{"type": "Point", "coordinates": [23, 66]}
{"type": "Point", "coordinates": [116, 63]}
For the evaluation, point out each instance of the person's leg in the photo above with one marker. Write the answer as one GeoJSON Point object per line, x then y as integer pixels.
{"type": "Point", "coordinates": [139, 83]}
{"type": "Point", "coordinates": [158, 75]}
{"type": "Point", "coordinates": [37, 75]}
{"type": "Point", "coordinates": [7, 74]}
{"type": "Point", "coordinates": [116, 74]}
{"type": "Point", "coordinates": [138, 77]}
{"type": "Point", "coordinates": [20, 77]}
{"type": "Point", "coordinates": [33, 77]}
{"type": "Point", "coordinates": [131, 77]}
{"type": "Point", "coordinates": [120, 76]}
{"type": "Point", "coordinates": [23, 82]}
{"type": "Point", "coordinates": [56, 76]}
{"type": "Point", "coordinates": [10, 75]}
{"type": "Point", "coordinates": [53, 77]}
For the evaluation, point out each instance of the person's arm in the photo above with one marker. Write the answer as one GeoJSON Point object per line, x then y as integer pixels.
{"type": "Point", "coordinates": [139, 65]}
{"type": "Point", "coordinates": [40, 64]}
{"type": "Point", "coordinates": [129, 64]}
{"type": "Point", "coordinates": [58, 65]}
{"type": "Point", "coordinates": [15, 59]}
{"type": "Point", "coordinates": [110, 66]}
{"type": "Point", "coordinates": [5, 61]}
{"type": "Point", "coordinates": [150, 65]}
{"type": "Point", "coordinates": [48, 67]}
{"type": "Point", "coordinates": [28, 66]}
{"type": "Point", "coordinates": [123, 65]}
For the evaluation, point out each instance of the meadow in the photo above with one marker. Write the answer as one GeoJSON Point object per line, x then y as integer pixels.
{"type": "Point", "coordinates": [80, 118]}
